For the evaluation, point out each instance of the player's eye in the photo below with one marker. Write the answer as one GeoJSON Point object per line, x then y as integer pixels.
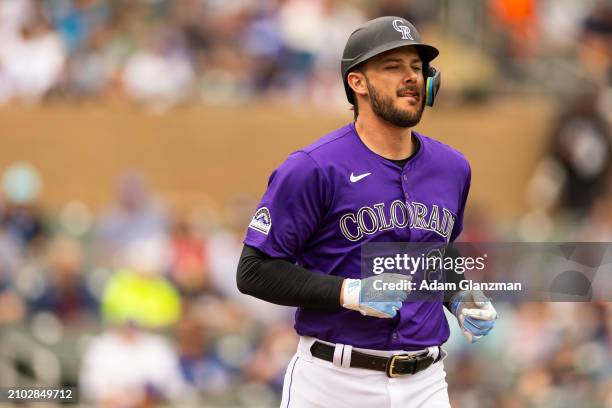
{"type": "Point", "coordinates": [417, 68]}
{"type": "Point", "coordinates": [391, 67]}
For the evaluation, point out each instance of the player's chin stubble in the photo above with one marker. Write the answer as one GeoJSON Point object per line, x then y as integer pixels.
{"type": "Point", "coordinates": [384, 108]}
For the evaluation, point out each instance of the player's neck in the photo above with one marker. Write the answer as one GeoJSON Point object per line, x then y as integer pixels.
{"type": "Point", "coordinates": [384, 139]}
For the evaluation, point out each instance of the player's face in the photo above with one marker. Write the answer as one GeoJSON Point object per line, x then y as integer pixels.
{"type": "Point", "coordinates": [395, 86]}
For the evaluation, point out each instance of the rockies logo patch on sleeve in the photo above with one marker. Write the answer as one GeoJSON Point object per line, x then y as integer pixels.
{"type": "Point", "coordinates": [261, 221]}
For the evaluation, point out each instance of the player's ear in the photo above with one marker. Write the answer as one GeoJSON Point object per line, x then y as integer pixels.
{"type": "Point", "coordinates": [357, 82]}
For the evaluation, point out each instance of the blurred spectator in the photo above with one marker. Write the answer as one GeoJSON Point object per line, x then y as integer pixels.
{"type": "Point", "coordinates": [199, 364]}
{"type": "Point", "coordinates": [302, 30]}
{"type": "Point", "coordinates": [78, 20]}
{"type": "Point", "coordinates": [12, 307]}
{"type": "Point", "coordinates": [595, 50]}
{"type": "Point", "coordinates": [519, 20]}
{"type": "Point", "coordinates": [221, 316]}
{"type": "Point", "coordinates": [20, 217]}
{"type": "Point", "coordinates": [89, 70]}
{"type": "Point", "coordinates": [128, 367]}
{"type": "Point", "coordinates": [561, 16]}
{"type": "Point", "coordinates": [268, 364]}
{"type": "Point", "coordinates": [65, 293]}
{"type": "Point", "coordinates": [513, 37]}
{"type": "Point", "coordinates": [138, 293]}
{"type": "Point", "coordinates": [338, 21]}
{"type": "Point", "coordinates": [598, 225]}
{"type": "Point", "coordinates": [31, 62]}
{"type": "Point", "coordinates": [163, 56]}
{"type": "Point", "coordinates": [23, 222]}
{"type": "Point", "coordinates": [11, 255]}
{"type": "Point", "coordinates": [189, 266]}
{"type": "Point", "coordinates": [135, 215]}
{"type": "Point", "coordinates": [193, 19]}
{"type": "Point", "coordinates": [264, 46]}
{"type": "Point", "coordinates": [580, 156]}
{"type": "Point", "coordinates": [14, 14]}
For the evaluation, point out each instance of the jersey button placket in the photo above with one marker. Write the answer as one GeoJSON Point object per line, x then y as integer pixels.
{"type": "Point", "coordinates": [404, 181]}
{"type": "Point", "coordinates": [405, 186]}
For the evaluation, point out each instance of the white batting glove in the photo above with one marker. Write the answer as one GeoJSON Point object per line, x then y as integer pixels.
{"type": "Point", "coordinates": [377, 296]}
{"type": "Point", "coordinates": [475, 314]}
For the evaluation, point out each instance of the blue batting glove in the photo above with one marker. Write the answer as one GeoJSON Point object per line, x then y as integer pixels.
{"type": "Point", "coordinates": [378, 296]}
{"type": "Point", "coordinates": [475, 314]}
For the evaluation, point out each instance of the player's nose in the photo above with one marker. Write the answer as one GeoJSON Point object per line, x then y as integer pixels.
{"type": "Point", "coordinates": [410, 76]}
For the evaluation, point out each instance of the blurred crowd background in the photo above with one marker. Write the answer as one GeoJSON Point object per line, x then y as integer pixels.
{"type": "Point", "coordinates": [243, 50]}
{"type": "Point", "coordinates": [133, 300]}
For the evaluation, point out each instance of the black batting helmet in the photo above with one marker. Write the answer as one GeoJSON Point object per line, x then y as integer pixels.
{"type": "Point", "coordinates": [384, 34]}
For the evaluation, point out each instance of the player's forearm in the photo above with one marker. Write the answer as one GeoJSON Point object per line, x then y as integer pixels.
{"type": "Point", "coordinates": [283, 283]}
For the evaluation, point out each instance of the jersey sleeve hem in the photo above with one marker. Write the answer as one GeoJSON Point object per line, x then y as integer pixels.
{"type": "Point", "coordinates": [266, 249]}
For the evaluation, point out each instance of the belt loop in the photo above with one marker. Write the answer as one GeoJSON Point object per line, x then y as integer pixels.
{"type": "Point", "coordinates": [442, 354]}
{"type": "Point", "coordinates": [304, 346]}
{"type": "Point", "coordinates": [337, 361]}
{"type": "Point", "coordinates": [346, 356]}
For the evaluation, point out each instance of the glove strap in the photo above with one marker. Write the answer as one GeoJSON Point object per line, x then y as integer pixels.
{"type": "Point", "coordinates": [454, 302]}
{"type": "Point", "coordinates": [351, 294]}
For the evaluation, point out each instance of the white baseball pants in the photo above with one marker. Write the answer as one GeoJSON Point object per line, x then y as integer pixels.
{"type": "Point", "coordinates": [314, 383]}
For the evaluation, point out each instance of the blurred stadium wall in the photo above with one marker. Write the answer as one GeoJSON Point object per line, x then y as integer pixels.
{"type": "Point", "coordinates": [218, 151]}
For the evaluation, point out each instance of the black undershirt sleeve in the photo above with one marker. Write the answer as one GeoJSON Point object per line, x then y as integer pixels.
{"type": "Point", "coordinates": [283, 283]}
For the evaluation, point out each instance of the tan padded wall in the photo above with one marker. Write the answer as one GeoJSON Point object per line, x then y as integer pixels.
{"type": "Point", "coordinates": [218, 151]}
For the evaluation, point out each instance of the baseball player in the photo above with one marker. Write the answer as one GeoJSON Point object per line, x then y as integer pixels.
{"type": "Point", "coordinates": [374, 180]}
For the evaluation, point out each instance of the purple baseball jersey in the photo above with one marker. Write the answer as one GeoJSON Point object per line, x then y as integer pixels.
{"type": "Point", "coordinates": [328, 199]}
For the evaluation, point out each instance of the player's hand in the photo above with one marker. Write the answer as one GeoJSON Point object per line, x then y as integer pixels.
{"type": "Point", "coordinates": [378, 296]}
{"type": "Point", "coordinates": [475, 313]}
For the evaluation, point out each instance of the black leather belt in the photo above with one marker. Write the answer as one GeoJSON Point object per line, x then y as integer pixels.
{"type": "Point", "coordinates": [394, 366]}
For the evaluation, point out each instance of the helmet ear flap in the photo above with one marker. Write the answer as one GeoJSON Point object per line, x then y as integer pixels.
{"type": "Point", "coordinates": [432, 85]}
